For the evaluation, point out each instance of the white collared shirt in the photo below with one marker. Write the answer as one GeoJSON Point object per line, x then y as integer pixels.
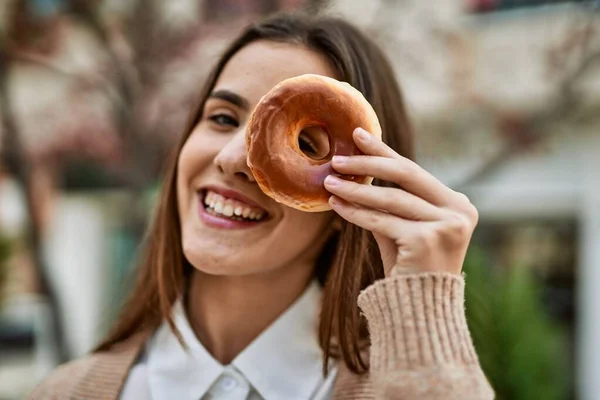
{"type": "Point", "coordinates": [283, 362]}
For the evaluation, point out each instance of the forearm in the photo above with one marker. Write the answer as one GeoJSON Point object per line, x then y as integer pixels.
{"type": "Point", "coordinates": [420, 343]}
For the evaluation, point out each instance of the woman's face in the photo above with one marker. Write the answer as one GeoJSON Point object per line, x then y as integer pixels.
{"type": "Point", "coordinates": [228, 226]}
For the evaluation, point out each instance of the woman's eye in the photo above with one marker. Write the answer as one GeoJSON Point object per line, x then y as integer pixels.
{"type": "Point", "coordinates": [223, 120]}
{"type": "Point", "coordinates": [306, 146]}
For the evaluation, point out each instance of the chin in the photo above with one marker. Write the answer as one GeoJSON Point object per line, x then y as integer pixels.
{"type": "Point", "coordinates": [212, 260]}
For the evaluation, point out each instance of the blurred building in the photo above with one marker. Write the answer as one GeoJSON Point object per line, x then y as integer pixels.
{"type": "Point", "coordinates": [505, 96]}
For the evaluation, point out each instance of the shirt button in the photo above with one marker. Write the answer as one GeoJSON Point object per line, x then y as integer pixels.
{"type": "Point", "coordinates": [228, 383]}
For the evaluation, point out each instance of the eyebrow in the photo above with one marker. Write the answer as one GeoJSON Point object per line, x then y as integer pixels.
{"type": "Point", "coordinates": [232, 98]}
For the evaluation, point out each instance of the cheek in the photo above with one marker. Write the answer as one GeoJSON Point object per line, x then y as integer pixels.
{"type": "Point", "coordinates": [192, 160]}
{"type": "Point", "coordinates": [196, 156]}
{"type": "Point", "coordinates": [302, 228]}
{"type": "Point", "coordinates": [189, 158]}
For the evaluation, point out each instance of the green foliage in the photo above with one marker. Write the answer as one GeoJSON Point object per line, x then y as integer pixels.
{"type": "Point", "coordinates": [522, 351]}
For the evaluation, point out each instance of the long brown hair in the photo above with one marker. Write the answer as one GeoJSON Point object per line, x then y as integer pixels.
{"type": "Point", "coordinates": [350, 260]}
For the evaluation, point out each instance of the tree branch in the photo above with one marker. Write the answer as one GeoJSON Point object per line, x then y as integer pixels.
{"type": "Point", "coordinates": [13, 154]}
{"type": "Point", "coordinates": [139, 169]}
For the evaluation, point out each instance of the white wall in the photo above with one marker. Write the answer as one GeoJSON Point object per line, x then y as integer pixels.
{"type": "Point", "coordinates": [76, 251]}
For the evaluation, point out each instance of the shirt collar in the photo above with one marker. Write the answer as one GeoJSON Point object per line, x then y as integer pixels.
{"type": "Point", "coordinates": [283, 362]}
{"type": "Point", "coordinates": [175, 372]}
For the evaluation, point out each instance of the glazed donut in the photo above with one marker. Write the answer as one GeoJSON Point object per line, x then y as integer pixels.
{"type": "Point", "coordinates": [296, 129]}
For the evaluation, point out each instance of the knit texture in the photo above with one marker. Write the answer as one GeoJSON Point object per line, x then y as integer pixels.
{"type": "Point", "coordinates": [99, 376]}
{"type": "Point", "coordinates": [420, 349]}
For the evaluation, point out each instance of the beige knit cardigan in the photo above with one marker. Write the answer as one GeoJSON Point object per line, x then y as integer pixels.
{"type": "Point", "coordinates": [420, 349]}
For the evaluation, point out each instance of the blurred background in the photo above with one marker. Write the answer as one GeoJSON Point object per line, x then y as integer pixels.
{"type": "Point", "coordinates": [504, 96]}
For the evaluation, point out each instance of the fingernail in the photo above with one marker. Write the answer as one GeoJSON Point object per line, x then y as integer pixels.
{"type": "Point", "coordinates": [362, 134]}
{"type": "Point", "coordinates": [331, 180]}
{"type": "Point", "coordinates": [334, 200]}
{"type": "Point", "coordinates": [339, 159]}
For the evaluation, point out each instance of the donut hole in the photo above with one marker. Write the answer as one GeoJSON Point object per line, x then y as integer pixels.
{"type": "Point", "coordinates": [313, 142]}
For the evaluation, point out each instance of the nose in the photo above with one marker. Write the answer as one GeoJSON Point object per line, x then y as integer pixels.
{"type": "Point", "coordinates": [232, 159]}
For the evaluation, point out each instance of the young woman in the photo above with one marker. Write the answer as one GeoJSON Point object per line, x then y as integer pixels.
{"type": "Point", "coordinates": [362, 302]}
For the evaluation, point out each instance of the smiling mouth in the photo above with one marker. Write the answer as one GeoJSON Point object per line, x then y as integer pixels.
{"type": "Point", "coordinates": [220, 206]}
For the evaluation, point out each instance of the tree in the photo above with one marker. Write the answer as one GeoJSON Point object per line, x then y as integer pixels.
{"type": "Point", "coordinates": [116, 114]}
{"type": "Point", "coordinates": [520, 348]}
{"type": "Point", "coordinates": [439, 47]}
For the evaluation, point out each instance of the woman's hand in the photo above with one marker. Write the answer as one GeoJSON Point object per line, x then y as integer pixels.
{"type": "Point", "coordinates": [422, 227]}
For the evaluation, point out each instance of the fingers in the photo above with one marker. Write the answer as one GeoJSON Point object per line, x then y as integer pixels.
{"type": "Point", "coordinates": [390, 200]}
{"type": "Point", "coordinates": [400, 171]}
{"type": "Point", "coordinates": [369, 144]}
{"type": "Point", "coordinates": [373, 220]}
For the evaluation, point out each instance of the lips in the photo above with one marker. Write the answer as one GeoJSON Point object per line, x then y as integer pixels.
{"type": "Point", "coordinates": [222, 206]}
{"type": "Point", "coordinates": [231, 206]}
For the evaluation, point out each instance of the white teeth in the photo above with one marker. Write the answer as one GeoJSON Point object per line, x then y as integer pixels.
{"type": "Point", "coordinates": [229, 207]}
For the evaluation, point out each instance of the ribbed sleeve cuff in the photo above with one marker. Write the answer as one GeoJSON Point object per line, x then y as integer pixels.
{"type": "Point", "coordinates": [417, 320]}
